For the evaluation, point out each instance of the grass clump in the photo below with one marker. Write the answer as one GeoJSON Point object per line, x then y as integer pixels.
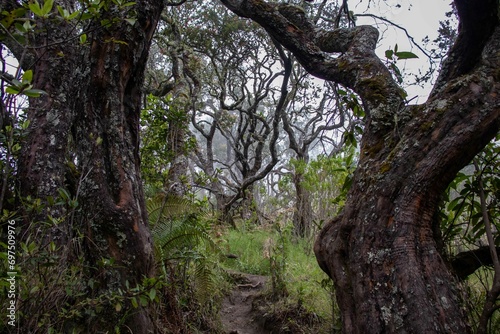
{"type": "Point", "coordinates": [299, 297]}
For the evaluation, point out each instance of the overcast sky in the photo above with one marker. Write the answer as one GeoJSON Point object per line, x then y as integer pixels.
{"type": "Point", "coordinates": [420, 18]}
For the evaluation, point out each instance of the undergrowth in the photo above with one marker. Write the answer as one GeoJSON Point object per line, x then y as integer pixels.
{"type": "Point", "coordinates": [305, 303]}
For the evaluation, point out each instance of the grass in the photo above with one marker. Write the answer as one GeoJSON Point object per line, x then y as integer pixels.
{"type": "Point", "coordinates": [307, 285]}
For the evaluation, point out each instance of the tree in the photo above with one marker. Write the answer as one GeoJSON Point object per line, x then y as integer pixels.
{"type": "Point", "coordinates": [240, 113]}
{"type": "Point", "coordinates": [83, 142]}
{"type": "Point", "coordinates": [166, 116]}
{"type": "Point", "coordinates": [382, 250]}
{"type": "Point", "coordinates": [312, 116]}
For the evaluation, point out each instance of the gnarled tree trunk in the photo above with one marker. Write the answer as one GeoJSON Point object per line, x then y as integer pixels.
{"type": "Point", "coordinates": [89, 119]}
{"type": "Point", "coordinates": [382, 251]}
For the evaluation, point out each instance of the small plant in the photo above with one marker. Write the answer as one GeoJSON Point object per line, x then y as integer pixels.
{"type": "Point", "coordinates": [187, 256]}
{"type": "Point", "coordinates": [276, 252]}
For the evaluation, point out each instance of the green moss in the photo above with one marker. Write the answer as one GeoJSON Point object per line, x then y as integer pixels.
{"type": "Point", "coordinates": [373, 149]}
{"type": "Point", "coordinates": [386, 166]}
{"type": "Point", "coordinates": [426, 125]}
{"type": "Point", "coordinates": [374, 87]}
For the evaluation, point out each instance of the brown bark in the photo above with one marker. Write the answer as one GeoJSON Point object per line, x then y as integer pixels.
{"type": "Point", "coordinates": [115, 218]}
{"type": "Point", "coordinates": [303, 214]}
{"type": "Point", "coordinates": [93, 101]}
{"type": "Point", "coordinates": [466, 263]}
{"type": "Point", "coordinates": [381, 251]}
{"type": "Point", "coordinates": [42, 163]}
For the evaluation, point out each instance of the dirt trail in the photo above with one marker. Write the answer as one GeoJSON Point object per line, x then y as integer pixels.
{"type": "Point", "coordinates": [236, 313]}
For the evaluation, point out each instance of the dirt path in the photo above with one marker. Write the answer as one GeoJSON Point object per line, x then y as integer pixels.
{"type": "Point", "coordinates": [236, 313]}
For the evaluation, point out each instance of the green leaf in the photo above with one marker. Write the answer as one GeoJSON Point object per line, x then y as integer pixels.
{"type": "Point", "coordinates": [134, 302]}
{"type": "Point", "coordinates": [86, 16]}
{"type": "Point", "coordinates": [20, 28]}
{"type": "Point", "coordinates": [47, 7]}
{"type": "Point", "coordinates": [406, 55]}
{"type": "Point", "coordinates": [63, 12]}
{"type": "Point", "coordinates": [152, 294]}
{"type": "Point", "coordinates": [35, 8]}
{"type": "Point", "coordinates": [128, 4]}
{"type": "Point", "coordinates": [388, 54]}
{"type": "Point", "coordinates": [83, 38]}
{"type": "Point", "coordinates": [118, 307]}
{"type": "Point", "coordinates": [34, 92]}
{"type": "Point", "coordinates": [27, 26]}
{"type": "Point", "coordinates": [144, 300]}
{"type": "Point", "coordinates": [74, 14]}
{"type": "Point", "coordinates": [12, 90]}
{"type": "Point", "coordinates": [131, 21]}
{"type": "Point", "coordinates": [28, 76]}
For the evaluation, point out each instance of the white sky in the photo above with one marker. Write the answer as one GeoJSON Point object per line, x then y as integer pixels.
{"type": "Point", "coordinates": [420, 18]}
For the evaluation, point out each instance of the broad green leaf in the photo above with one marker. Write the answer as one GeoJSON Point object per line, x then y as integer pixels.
{"type": "Point", "coordinates": [34, 92]}
{"type": "Point", "coordinates": [20, 28]}
{"type": "Point", "coordinates": [388, 54]}
{"type": "Point", "coordinates": [12, 90]}
{"type": "Point", "coordinates": [47, 7]}
{"type": "Point", "coordinates": [35, 8]}
{"type": "Point", "coordinates": [406, 55]}
{"type": "Point", "coordinates": [28, 76]}
{"type": "Point", "coordinates": [86, 16]}
{"type": "Point", "coordinates": [152, 294]}
{"type": "Point", "coordinates": [83, 38]}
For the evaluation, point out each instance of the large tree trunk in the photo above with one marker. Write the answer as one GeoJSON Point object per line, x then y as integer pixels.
{"type": "Point", "coordinates": [382, 251]}
{"type": "Point", "coordinates": [94, 97]}
{"type": "Point", "coordinates": [43, 161]}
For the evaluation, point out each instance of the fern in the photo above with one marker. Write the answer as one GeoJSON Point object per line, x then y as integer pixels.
{"type": "Point", "coordinates": [180, 235]}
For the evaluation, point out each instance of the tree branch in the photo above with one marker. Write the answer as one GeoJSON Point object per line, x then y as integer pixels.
{"type": "Point", "coordinates": [358, 67]}
{"type": "Point", "coordinates": [466, 263]}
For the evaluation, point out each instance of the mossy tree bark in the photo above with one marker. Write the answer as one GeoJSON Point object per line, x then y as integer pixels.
{"type": "Point", "coordinates": [382, 250]}
{"type": "Point", "coordinates": [89, 120]}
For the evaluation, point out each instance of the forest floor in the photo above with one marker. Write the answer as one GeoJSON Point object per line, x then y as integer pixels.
{"type": "Point", "coordinates": [237, 314]}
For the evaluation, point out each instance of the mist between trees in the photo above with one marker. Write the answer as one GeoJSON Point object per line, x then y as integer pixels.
{"type": "Point", "coordinates": [135, 135]}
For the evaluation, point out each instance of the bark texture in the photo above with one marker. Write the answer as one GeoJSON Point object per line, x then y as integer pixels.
{"type": "Point", "coordinates": [89, 120]}
{"type": "Point", "coordinates": [382, 251]}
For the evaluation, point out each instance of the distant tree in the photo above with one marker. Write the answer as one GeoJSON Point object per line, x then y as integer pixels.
{"type": "Point", "coordinates": [312, 115]}
{"type": "Point", "coordinates": [237, 120]}
{"type": "Point", "coordinates": [167, 115]}
{"type": "Point", "coordinates": [382, 251]}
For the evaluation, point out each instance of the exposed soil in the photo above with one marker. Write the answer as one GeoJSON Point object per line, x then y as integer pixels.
{"type": "Point", "coordinates": [237, 314]}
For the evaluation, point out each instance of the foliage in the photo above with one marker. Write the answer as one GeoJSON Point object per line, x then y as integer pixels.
{"type": "Point", "coordinates": [23, 22]}
{"type": "Point", "coordinates": [475, 289]}
{"type": "Point", "coordinates": [187, 254]}
{"type": "Point", "coordinates": [294, 265]}
{"type": "Point", "coordinates": [392, 56]}
{"type": "Point", "coordinates": [328, 178]}
{"type": "Point", "coordinates": [461, 210]}
{"type": "Point", "coordinates": [157, 118]}
{"type": "Point", "coordinates": [48, 275]}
